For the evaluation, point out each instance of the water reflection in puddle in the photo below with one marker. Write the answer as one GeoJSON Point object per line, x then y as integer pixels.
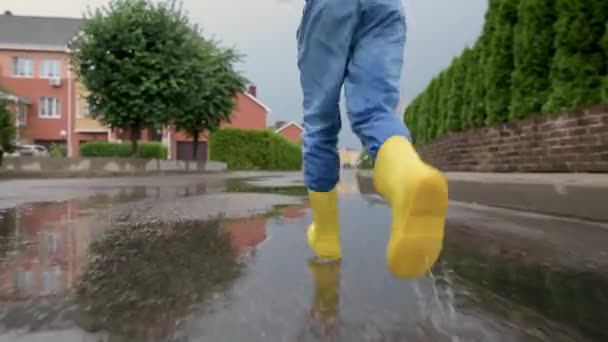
{"type": "Point", "coordinates": [64, 274]}
{"type": "Point", "coordinates": [142, 280]}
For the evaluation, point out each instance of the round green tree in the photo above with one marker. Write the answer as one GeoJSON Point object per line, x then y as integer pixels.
{"type": "Point", "coordinates": [135, 57]}
{"type": "Point", "coordinates": [533, 52]}
{"type": "Point", "coordinates": [212, 96]}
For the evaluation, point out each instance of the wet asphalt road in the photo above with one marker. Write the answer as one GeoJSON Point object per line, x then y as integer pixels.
{"type": "Point", "coordinates": [184, 260]}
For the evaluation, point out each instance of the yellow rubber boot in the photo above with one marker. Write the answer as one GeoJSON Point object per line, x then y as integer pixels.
{"type": "Point", "coordinates": [324, 233]}
{"type": "Point", "coordinates": [326, 276]}
{"type": "Point", "coordinates": [418, 196]}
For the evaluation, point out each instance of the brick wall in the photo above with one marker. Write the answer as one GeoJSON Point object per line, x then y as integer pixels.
{"type": "Point", "coordinates": [569, 142]}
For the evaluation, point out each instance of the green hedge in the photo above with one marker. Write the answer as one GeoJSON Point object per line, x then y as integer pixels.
{"type": "Point", "coordinates": [533, 56]}
{"type": "Point", "coordinates": [254, 150]}
{"type": "Point", "coordinates": [58, 150]}
{"type": "Point", "coordinates": [365, 162]}
{"type": "Point", "coordinates": [148, 150]}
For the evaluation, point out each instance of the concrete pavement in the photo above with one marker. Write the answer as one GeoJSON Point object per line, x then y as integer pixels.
{"type": "Point", "coordinates": [505, 275]}
{"type": "Point", "coordinates": [582, 196]}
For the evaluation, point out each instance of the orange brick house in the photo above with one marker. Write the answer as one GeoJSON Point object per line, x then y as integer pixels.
{"type": "Point", "coordinates": [249, 113]}
{"type": "Point", "coordinates": [291, 131]}
{"type": "Point", "coordinates": [49, 103]}
{"type": "Point", "coordinates": [34, 71]}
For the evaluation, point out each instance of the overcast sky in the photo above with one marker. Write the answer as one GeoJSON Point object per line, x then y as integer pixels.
{"type": "Point", "coordinates": [438, 31]}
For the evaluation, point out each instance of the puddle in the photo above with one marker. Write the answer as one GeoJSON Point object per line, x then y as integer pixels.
{"type": "Point", "coordinates": [575, 299]}
{"type": "Point", "coordinates": [144, 279]}
{"type": "Point", "coordinates": [249, 186]}
{"type": "Point", "coordinates": [69, 273]}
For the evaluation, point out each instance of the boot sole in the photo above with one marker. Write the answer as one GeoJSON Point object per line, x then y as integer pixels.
{"type": "Point", "coordinates": [418, 223]}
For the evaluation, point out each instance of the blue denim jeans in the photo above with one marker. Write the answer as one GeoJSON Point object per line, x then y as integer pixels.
{"type": "Point", "coordinates": [358, 44]}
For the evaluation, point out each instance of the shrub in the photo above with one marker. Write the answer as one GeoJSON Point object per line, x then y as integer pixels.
{"type": "Point", "coordinates": [7, 129]}
{"type": "Point", "coordinates": [148, 150]}
{"type": "Point", "coordinates": [500, 65]}
{"type": "Point", "coordinates": [152, 150]}
{"type": "Point", "coordinates": [531, 56]}
{"type": "Point", "coordinates": [365, 162]}
{"type": "Point", "coordinates": [254, 150]}
{"type": "Point", "coordinates": [578, 64]}
{"type": "Point", "coordinates": [605, 84]}
{"type": "Point", "coordinates": [58, 151]}
{"type": "Point", "coordinates": [533, 53]}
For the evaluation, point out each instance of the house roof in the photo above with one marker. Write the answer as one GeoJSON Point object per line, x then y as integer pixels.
{"type": "Point", "coordinates": [278, 125]}
{"type": "Point", "coordinates": [292, 123]}
{"type": "Point", "coordinates": [257, 101]}
{"type": "Point", "coordinates": [37, 32]}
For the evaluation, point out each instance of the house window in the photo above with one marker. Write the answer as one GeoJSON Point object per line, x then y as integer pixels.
{"type": "Point", "coordinates": [23, 67]}
{"type": "Point", "coordinates": [50, 68]}
{"type": "Point", "coordinates": [23, 281]}
{"type": "Point", "coordinates": [49, 107]}
{"type": "Point", "coordinates": [49, 242]}
{"type": "Point", "coordinates": [51, 280]}
{"type": "Point", "coordinates": [21, 111]}
{"type": "Point", "coordinates": [84, 110]}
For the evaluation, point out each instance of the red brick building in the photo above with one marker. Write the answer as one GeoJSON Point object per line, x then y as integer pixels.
{"type": "Point", "coordinates": [49, 104]}
{"type": "Point", "coordinates": [249, 113]}
{"type": "Point", "coordinates": [291, 131]}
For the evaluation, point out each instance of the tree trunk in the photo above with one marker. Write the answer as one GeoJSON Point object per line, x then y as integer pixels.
{"type": "Point", "coordinates": [135, 136]}
{"type": "Point", "coordinates": [195, 137]}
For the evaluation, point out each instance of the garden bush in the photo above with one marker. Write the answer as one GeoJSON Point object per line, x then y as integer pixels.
{"type": "Point", "coordinates": [58, 151]}
{"type": "Point", "coordinates": [148, 150]}
{"type": "Point", "coordinates": [254, 150]}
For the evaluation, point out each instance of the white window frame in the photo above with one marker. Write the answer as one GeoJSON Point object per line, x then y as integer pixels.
{"type": "Point", "coordinates": [49, 107]}
{"type": "Point", "coordinates": [19, 70]}
{"type": "Point", "coordinates": [54, 65]}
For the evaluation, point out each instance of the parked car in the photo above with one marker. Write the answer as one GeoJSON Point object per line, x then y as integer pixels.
{"type": "Point", "coordinates": [29, 150]}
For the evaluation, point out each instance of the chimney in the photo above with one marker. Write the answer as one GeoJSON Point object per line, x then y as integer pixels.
{"type": "Point", "coordinates": [253, 90]}
{"type": "Point", "coordinates": [8, 13]}
{"type": "Point", "coordinates": [279, 124]}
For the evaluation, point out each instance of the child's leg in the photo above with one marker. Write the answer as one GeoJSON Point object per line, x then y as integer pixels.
{"type": "Point", "coordinates": [373, 82]}
{"type": "Point", "coordinates": [324, 41]}
{"type": "Point", "coordinates": [416, 192]}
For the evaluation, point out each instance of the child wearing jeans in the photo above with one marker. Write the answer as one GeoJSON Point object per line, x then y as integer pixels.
{"type": "Point", "coordinates": [359, 44]}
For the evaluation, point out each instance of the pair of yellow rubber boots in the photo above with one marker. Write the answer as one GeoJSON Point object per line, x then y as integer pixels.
{"type": "Point", "coordinates": [418, 196]}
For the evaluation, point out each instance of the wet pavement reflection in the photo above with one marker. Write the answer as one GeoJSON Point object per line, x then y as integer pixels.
{"type": "Point", "coordinates": [70, 271]}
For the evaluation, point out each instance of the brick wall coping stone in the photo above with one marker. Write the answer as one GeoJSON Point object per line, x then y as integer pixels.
{"type": "Point", "coordinates": [577, 195]}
